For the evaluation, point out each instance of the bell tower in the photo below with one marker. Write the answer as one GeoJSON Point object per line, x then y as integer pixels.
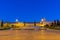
{"type": "Point", "coordinates": [43, 22]}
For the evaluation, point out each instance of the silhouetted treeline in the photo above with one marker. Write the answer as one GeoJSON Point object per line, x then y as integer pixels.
{"type": "Point", "coordinates": [1, 23]}
{"type": "Point", "coordinates": [56, 23]}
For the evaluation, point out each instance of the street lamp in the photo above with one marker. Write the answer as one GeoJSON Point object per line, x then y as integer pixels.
{"type": "Point", "coordinates": [16, 20]}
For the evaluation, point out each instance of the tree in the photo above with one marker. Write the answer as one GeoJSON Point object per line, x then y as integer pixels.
{"type": "Point", "coordinates": [24, 23]}
{"type": "Point", "coordinates": [1, 23]}
{"type": "Point", "coordinates": [58, 23]}
{"type": "Point", "coordinates": [34, 23]}
{"type": "Point", "coordinates": [46, 26]}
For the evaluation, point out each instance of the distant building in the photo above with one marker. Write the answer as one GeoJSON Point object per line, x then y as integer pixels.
{"type": "Point", "coordinates": [26, 24]}
{"type": "Point", "coordinates": [44, 22]}
{"type": "Point", "coordinates": [18, 24]}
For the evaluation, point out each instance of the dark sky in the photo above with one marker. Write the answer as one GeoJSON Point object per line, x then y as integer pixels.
{"type": "Point", "coordinates": [29, 10]}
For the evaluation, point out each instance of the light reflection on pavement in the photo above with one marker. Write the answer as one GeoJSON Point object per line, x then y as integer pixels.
{"type": "Point", "coordinates": [29, 35]}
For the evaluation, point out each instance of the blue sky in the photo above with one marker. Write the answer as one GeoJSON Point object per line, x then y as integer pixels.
{"type": "Point", "coordinates": [29, 10]}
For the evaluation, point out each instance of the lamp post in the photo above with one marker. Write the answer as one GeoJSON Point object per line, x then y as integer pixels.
{"type": "Point", "coordinates": [16, 20]}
